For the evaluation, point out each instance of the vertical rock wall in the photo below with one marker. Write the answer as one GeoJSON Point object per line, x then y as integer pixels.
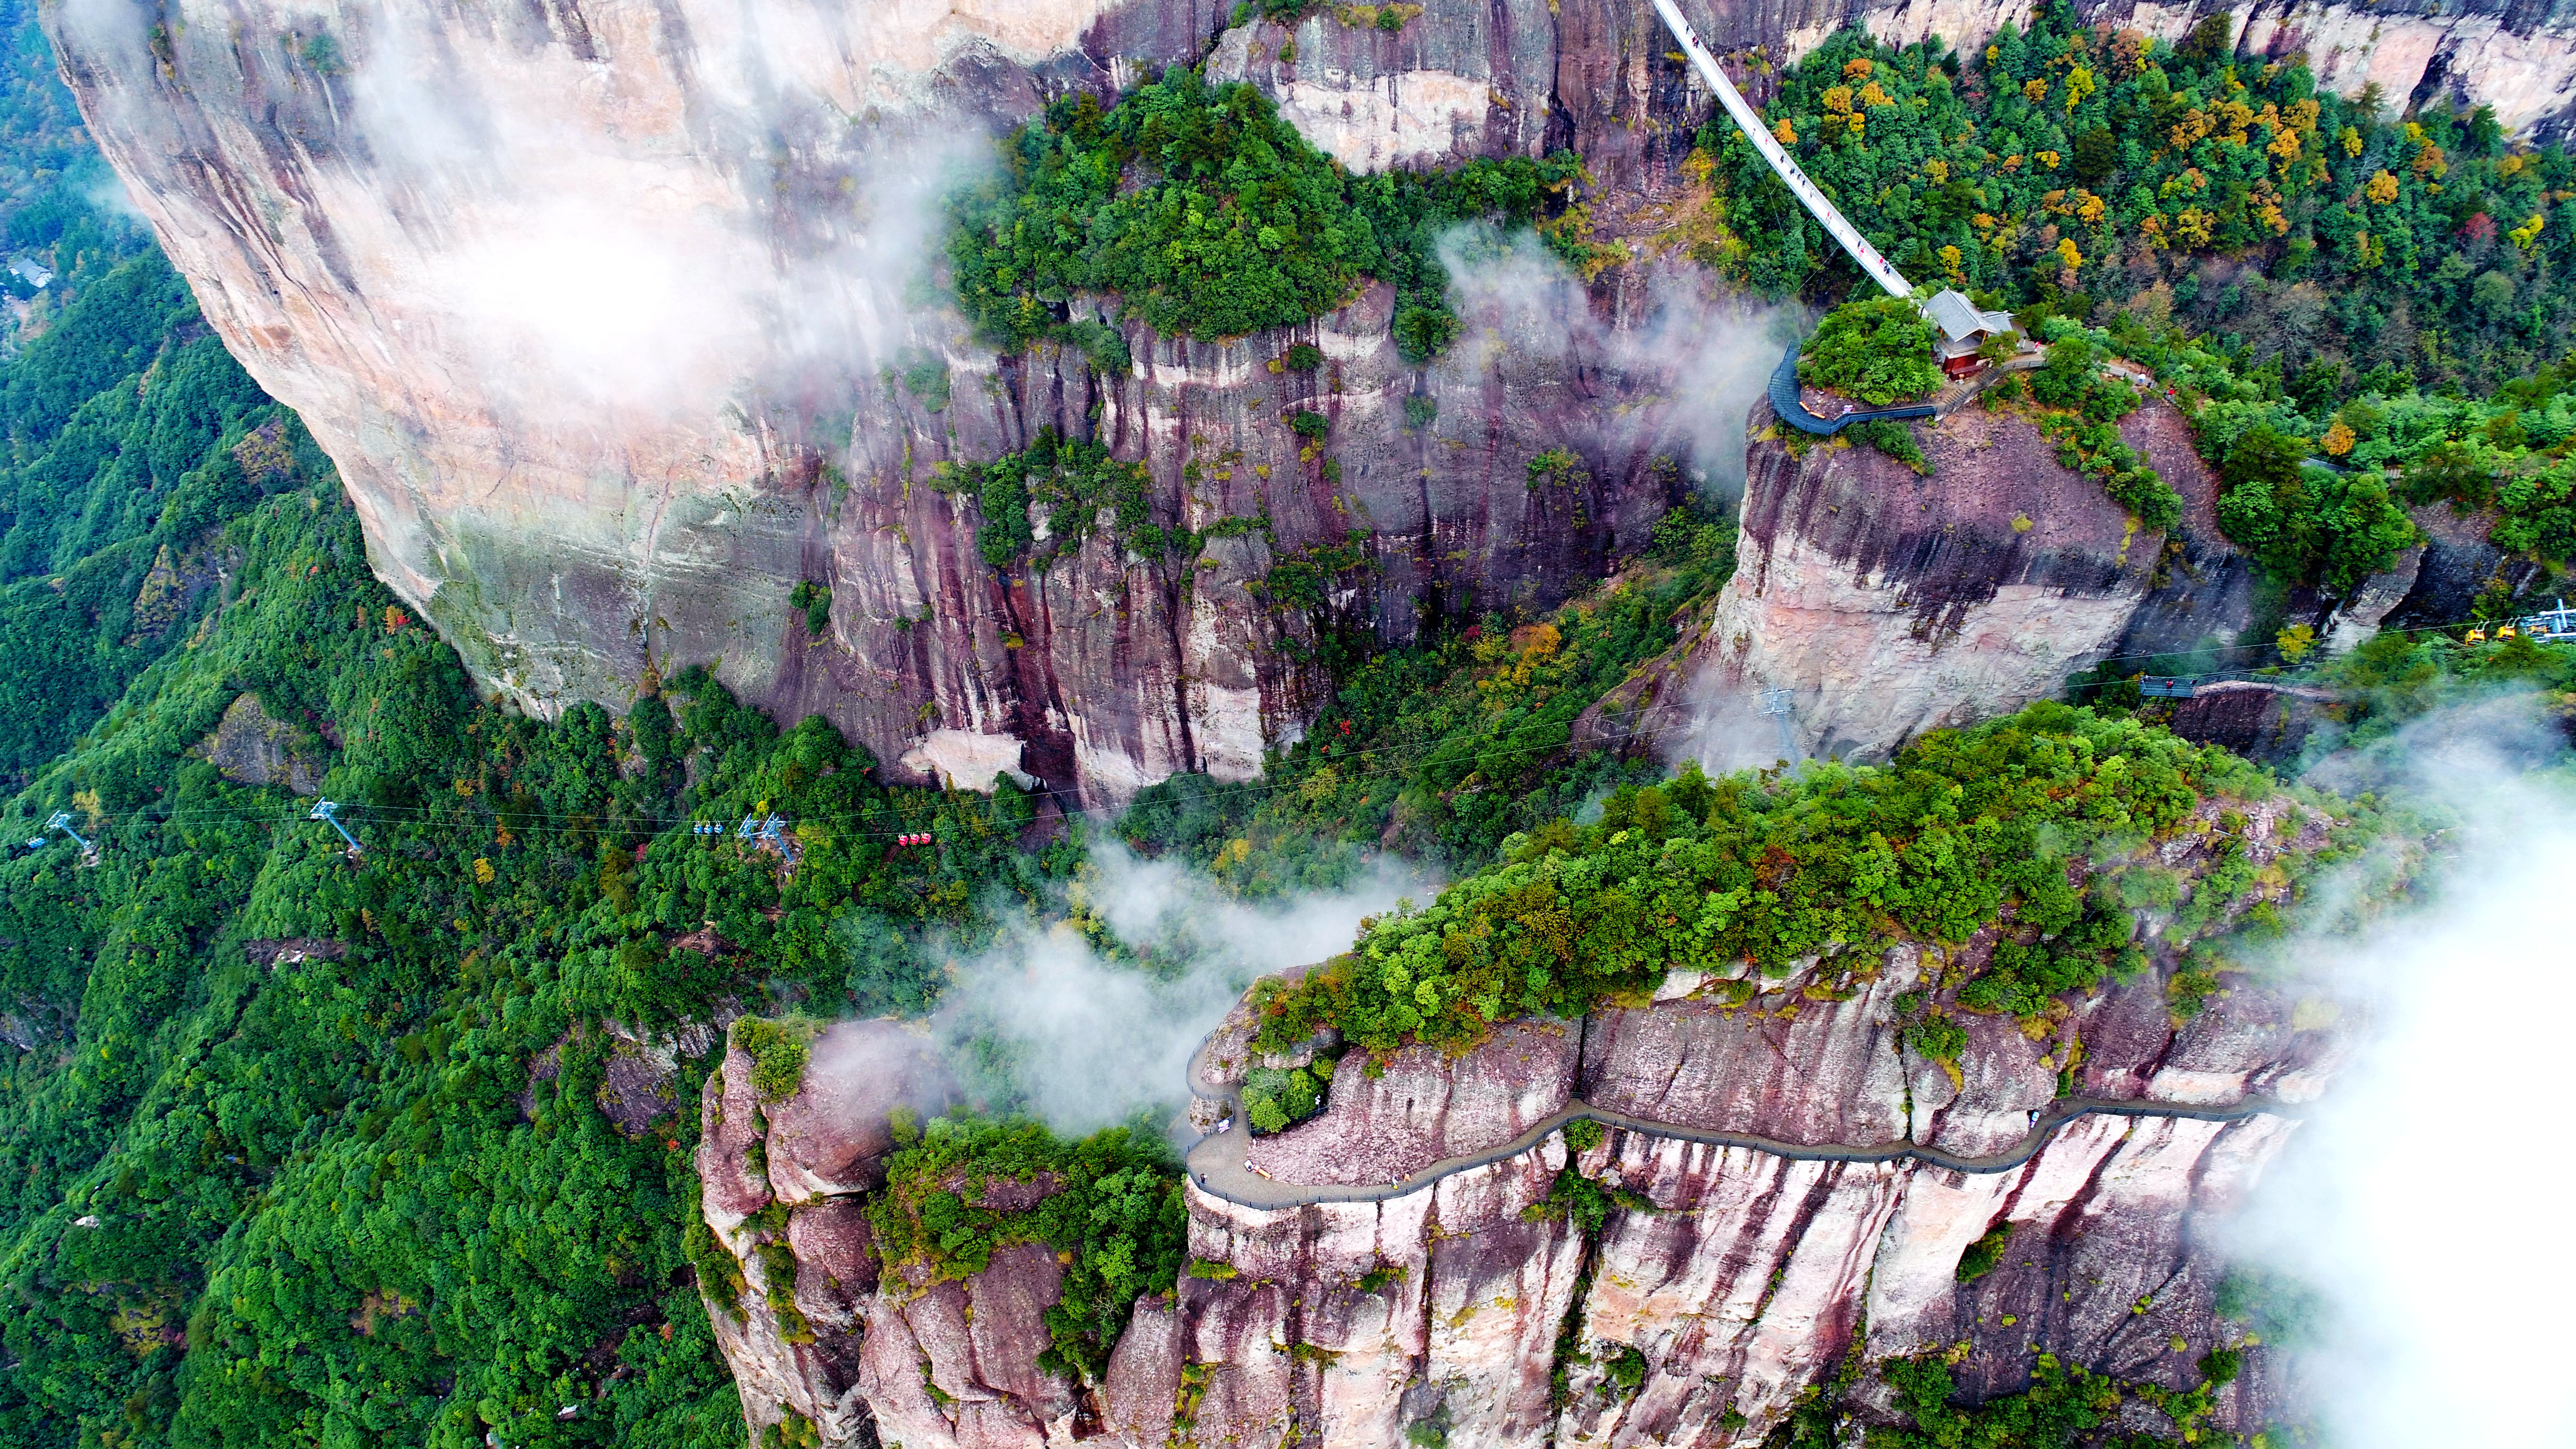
{"type": "Point", "coordinates": [1739, 1279]}
{"type": "Point", "coordinates": [1891, 604]}
{"type": "Point", "coordinates": [606, 312]}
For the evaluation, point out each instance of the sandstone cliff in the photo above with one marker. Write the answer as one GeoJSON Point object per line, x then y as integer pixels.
{"type": "Point", "coordinates": [1891, 604]}
{"type": "Point", "coordinates": [1782, 1177]}
{"type": "Point", "coordinates": [783, 1187]}
{"type": "Point", "coordinates": [1739, 1275]}
{"type": "Point", "coordinates": [603, 310]}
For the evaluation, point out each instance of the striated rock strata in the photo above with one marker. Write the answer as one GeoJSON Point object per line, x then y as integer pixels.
{"type": "Point", "coordinates": [1764, 1212]}
{"type": "Point", "coordinates": [602, 309]}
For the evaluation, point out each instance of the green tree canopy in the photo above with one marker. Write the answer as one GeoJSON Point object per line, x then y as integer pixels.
{"type": "Point", "coordinates": [1876, 349]}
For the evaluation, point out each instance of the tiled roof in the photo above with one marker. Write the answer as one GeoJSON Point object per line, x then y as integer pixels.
{"type": "Point", "coordinates": [1955, 315]}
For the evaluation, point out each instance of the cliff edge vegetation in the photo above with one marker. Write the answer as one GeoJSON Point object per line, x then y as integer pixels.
{"type": "Point", "coordinates": [1203, 214]}
{"type": "Point", "coordinates": [2037, 827]}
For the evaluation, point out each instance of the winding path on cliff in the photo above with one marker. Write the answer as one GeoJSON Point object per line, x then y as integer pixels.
{"type": "Point", "coordinates": [1216, 1162]}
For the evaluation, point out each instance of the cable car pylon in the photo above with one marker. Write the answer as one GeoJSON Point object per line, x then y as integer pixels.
{"type": "Point", "coordinates": [62, 821]}
{"type": "Point", "coordinates": [328, 812]}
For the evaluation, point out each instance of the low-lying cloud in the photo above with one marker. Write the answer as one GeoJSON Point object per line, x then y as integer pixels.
{"type": "Point", "coordinates": [1708, 353]}
{"type": "Point", "coordinates": [1085, 1040]}
{"type": "Point", "coordinates": [2424, 1200]}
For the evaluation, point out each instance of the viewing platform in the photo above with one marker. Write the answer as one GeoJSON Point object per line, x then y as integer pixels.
{"type": "Point", "coordinates": [1953, 395]}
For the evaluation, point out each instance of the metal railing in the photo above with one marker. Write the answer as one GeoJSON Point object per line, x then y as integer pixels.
{"type": "Point", "coordinates": [1793, 411]}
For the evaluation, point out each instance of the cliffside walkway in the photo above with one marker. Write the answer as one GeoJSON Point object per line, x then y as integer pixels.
{"type": "Point", "coordinates": [1216, 1161]}
{"type": "Point", "coordinates": [1793, 409]}
{"type": "Point", "coordinates": [1953, 396]}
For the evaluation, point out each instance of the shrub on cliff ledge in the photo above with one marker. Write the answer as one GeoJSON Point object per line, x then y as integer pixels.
{"type": "Point", "coordinates": [1876, 349]}
{"type": "Point", "coordinates": [1110, 1205]}
{"type": "Point", "coordinates": [779, 1051]}
{"type": "Point", "coordinates": [1839, 864]}
{"type": "Point", "coordinates": [1209, 216]}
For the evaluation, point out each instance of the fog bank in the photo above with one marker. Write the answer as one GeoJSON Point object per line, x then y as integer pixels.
{"type": "Point", "coordinates": [1086, 1037]}
{"type": "Point", "coordinates": [2423, 1200]}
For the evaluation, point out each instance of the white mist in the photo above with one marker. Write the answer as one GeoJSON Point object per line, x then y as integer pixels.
{"type": "Point", "coordinates": [2426, 1198]}
{"type": "Point", "coordinates": [1093, 1040]}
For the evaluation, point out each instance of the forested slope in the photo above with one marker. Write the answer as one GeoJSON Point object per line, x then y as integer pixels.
{"type": "Point", "coordinates": [301, 1147]}
{"type": "Point", "coordinates": [132, 438]}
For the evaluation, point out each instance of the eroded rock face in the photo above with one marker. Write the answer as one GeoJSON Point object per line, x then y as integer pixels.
{"type": "Point", "coordinates": [1808, 1073]}
{"type": "Point", "coordinates": [1892, 604]}
{"type": "Point", "coordinates": [602, 312]}
{"type": "Point", "coordinates": [1740, 1281]}
{"type": "Point", "coordinates": [2457, 566]}
{"type": "Point", "coordinates": [793, 1175]}
{"type": "Point", "coordinates": [603, 316]}
{"type": "Point", "coordinates": [956, 1364]}
{"type": "Point", "coordinates": [1749, 1278]}
{"type": "Point", "coordinates": [1454, 1294]}
{"type": "Point", "coordinates": [1737, 1276]}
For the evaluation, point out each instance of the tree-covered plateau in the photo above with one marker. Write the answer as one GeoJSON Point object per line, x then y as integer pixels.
{"type": "Point", "coordinates": [2316, 278]}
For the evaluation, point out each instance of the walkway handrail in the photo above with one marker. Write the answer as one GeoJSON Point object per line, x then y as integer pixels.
{"type": "Point", "coordinates": [2045, 1123]}
{"type": "Point", "coordinates": [1749, 121]}
{"type": "Point", "coordinates": [1793, 411]}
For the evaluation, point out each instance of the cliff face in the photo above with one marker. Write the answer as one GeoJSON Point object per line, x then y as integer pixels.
{"type": "Point", "coordinates": [604, 314]}
{"type": "Point", "coordinates": [1782, 1178]}
{"type": "Point", "coordinates": [793, 1176]}
{"type": "Point", "coordinates": [1891, 604]}
{"type": "Point", "coordinates": [602, 309]}
{"type": "Point", "coordinates": [1740, 1275]}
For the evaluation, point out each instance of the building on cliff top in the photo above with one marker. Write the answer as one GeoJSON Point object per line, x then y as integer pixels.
{"type": "Point", "coordinates": [1964, 329]}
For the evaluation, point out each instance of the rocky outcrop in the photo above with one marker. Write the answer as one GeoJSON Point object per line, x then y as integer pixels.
{"type": "Point", "coordinates": [1805, 1073]}
{"type": "Point", "coordinates": [2099, 1226]}
{"type": "Point", "coordinates": [956, 1364]}
{"type": "Point", "coordinates": [2257, 720]}
{"type": "Point", "coordinates": [290, 950]}
{"type": "Point", "coordinates": [639, 1083]}
{"type": "Point", "coordinates": [603, 312]}
{"type": "Point", "coordinates": [1737, 1276]}
{"type": "Point", "coordinates": [248, 747]}
{"type": "Point", "coordinates": [1769, 1167]}
{"type": "Point", "coordinates": [583, 310]}
{"type": "Point", "coordinates": [782, 1188]}
{"type": "Point", "coordinates": [1728, 1280]}
{"type": "Point", "coordinates": [1891, 603]}
{"type": "Point", "coordinates": [2457, 568]}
